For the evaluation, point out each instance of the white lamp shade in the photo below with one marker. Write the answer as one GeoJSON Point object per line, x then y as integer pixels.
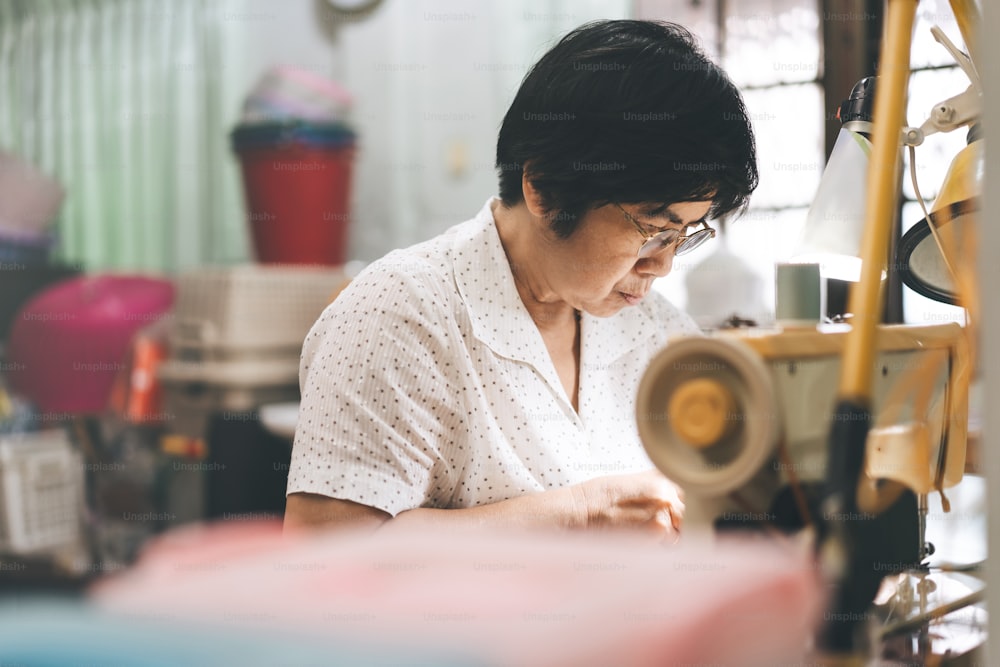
{"type": "Point", "coordinates": [832, 233]}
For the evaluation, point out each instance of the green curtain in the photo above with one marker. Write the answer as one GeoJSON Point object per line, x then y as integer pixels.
{"type": "Point", "coordinates": [121, 100]}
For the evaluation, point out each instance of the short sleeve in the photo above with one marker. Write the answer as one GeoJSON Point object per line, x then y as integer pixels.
{"type": "Point", "coordinates": [381, 421]}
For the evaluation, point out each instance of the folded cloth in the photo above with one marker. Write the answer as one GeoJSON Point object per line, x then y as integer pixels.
{"type": "Point", "coordinates": [525, 600]}
{"type": "Point", "coordinates": [51, 631]}
{"type": "Point", "coordinates": [29, 198]}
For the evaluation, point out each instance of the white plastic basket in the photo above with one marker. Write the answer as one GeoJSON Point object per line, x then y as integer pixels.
{"type": "Point", "coordinates": [41, 492]}
{"type": "Point", "coordinates": [224, 311]}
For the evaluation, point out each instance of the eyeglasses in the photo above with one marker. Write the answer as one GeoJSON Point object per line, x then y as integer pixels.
{"type": "Point", "coordinates": [654, 243]}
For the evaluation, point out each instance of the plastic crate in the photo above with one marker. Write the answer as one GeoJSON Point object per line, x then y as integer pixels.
{"type": "Point", "coordinates": [248, 373]}
{"type": "Point", "coordinates": [193, 391]}
{"type": "Point", "coordinates": [41, 492]}
{"type": "Point", "coordinates": [188, 406]}
{"type": "Point", "coordinates": [225, 311]}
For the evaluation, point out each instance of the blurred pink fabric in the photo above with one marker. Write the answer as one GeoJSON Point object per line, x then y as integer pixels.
{"type": "Point", "coordinates": [535, 600]}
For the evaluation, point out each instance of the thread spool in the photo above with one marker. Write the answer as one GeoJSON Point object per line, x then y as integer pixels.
{"type": "Point", "coordinates": [799, 295]}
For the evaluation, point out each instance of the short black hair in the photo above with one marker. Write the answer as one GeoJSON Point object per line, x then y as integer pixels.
{"type": "Point", "coordinates": [629, 112]}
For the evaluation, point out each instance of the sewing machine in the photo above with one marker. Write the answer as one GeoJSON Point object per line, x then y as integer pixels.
{"type": "Point", "coordinates": [842, 434]}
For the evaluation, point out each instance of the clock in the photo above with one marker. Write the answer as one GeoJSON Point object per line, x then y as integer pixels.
{"type": "Point", "coordinates": [353, 6]}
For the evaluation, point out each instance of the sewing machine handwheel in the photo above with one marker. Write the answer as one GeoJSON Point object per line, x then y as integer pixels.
{"type": "Point", "coordinates": [707, 414]}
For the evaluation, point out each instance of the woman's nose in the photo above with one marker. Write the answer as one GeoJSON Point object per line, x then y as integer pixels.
{"type": "Point", "coordinates": [657, 265]}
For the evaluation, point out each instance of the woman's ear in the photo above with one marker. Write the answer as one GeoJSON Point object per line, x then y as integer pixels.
{"type": "Point", "coordinates": [532, 198]}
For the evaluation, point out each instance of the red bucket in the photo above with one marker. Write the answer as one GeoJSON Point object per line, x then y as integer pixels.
{"type": "Point", "coordinates": [297, 182]}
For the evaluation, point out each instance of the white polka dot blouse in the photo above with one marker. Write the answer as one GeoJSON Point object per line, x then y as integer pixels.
{"type": "Point", "coordinates": [427, 384]}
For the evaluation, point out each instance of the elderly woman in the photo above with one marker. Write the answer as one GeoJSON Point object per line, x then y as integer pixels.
{"type": "Point", "coordinates": [487, 377]}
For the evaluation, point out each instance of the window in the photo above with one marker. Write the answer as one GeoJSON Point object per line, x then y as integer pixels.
{"type": "Point", "coordinates": [772, 50]}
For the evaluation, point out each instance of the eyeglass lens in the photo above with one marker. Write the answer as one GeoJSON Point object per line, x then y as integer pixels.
{"type": "Point", "coordinates": [685, 244]}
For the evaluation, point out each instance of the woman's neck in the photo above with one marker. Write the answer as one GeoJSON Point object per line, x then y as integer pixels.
{"type": "Point", "coordinates": [520, 237]}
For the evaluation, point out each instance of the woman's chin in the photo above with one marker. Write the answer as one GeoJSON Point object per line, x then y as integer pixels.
{"type": "Point", "coordinates": [605, 309]}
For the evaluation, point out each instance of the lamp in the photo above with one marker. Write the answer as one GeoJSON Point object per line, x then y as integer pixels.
{"type": "Point", "coordinates": [832, 233]}
{"type": "Point", "coordinates": [948, 230]}
{"type": "Point", "coordinates": [923, 267]}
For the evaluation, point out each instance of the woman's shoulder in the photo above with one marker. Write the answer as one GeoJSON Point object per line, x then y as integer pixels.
{"type": "Point", "coordinates": [428, 266]}
{"type": "Point", "coordinates": [404, 291]}
{"type": "Point", "coordinates": [404, 282]}
{"type": "Point", "coordinates": [416, 283]}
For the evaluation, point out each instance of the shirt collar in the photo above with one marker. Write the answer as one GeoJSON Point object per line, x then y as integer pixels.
{"type": "Point", "coordinates": [484, 279]}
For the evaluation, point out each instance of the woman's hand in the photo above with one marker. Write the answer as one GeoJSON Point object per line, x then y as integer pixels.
{"type": "Point", "coordinates": [645, 501]}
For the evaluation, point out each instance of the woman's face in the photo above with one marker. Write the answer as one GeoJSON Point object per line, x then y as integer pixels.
{"type": "Point", "coordinates": [597, 269]}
